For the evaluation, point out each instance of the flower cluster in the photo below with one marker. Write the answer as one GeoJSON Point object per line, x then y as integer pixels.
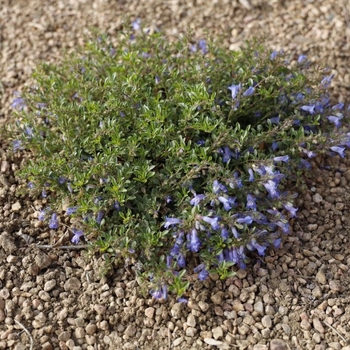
{"type": "Point", "coordinates": [166, 151]}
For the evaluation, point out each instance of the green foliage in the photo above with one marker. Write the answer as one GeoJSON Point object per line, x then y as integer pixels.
{"type": "Point", "coordinates": [129, 135]}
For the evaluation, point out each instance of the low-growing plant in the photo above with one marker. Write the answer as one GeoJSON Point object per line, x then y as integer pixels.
{"type": "Point", "coordinates": [172, 152]}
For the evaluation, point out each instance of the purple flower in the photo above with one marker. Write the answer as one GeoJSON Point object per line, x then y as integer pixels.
{"type": "Point", "coordinates": [246, 220]}
{"type": "Point", "coordinates": [271, 187]}
{"type": "Point", "coordinates": [181, 261]}
{"type": "Point", "coordinates": [251, 202]}
{"type": "Point", "coordinates": [171, 221]}
{"type": "Point", "coordinates": [164, 291]}
{"type": "Point", "coordinates": [182, 300]}
{"type": "Point", "coordinates": [53, 224]}
{"type": "Point", "coordinates": [281, 159]}
{"type": "Point", "coordinates": [61, 180]}
{"type": "Point", "coordinates": [116, 205]}
{"type": "Point", "coordinates": [224, 233]}
{"type": "Point", "coordinates": [197, 198]}
{"type": "Point", "coordinates": [77, 234]}
{"type": "Point", "coordinates": [200, 142]}
{"type": "Point", "coordinates": [43, 193]}
{"type": "Point", "coordinates": [99, 216]}
{"type": "Point", "coordinates": [251, 175]}
{"type": "Point", "coordinates": [277, 242]}
{"type": "Point", "coordinates": [236, 255]}
{"type": "Point", "coordinates": [195, 243]}
{"type": "Point", "coordinates": [310, 109]}
{"type": "Point", "coordinates": [227, 154]}
{"type": "Point", "coordinates": [249, 91]}
{"type": "Point", "coordinates": [234, 90]}
{"type": "Point", "coordinates": [284, 226]}
{"type": "Point", "coordinates": [71, 210]}
{"type": "Point", "coordinates": [203, 273]}
{"type": "Point", "coordinates": [291, 209]}
{"type": "Point", "coordinates": [302, 59]}
{"type": "Point", "coordinates": [202, 44]}
{"type": "Point", "coordinates": [254, 245]}
{"type": "Point", "coordinates": [326, 81]}
{"type": "Point", "coordinates": [212, 221]}
{"type": "Point", "coordinates": [17, 145]}
{"type": "Point", "coordinates": [31, 185]}
{"type": "Point", "coordinates": [338, 107]}
{"type": "Point", "coordinates": [18, 103]}
{"type": "Point", "coordinates": [41, 215]}
{"type": "Point", "coordinates": [227, 202]}
{"type": "Point", "coordinates": [169, 260]}
{"type": "Point", "coordinates": [273, 55]}
{"type": "Point", "coordinates": [136, 25]}
{"type": "Point", "coordinates": [335, 120]}
{"type": "Point", "coordinates": [218, 187]}
{"type": "Point", "coordinates": [235, 232]}
{"type": "Point", "coordinates": [339, 150]}
{"type": "Point", "coordinates": [274, 120]}
{"type": "Point", "coordinates": [157, 294]}
{"type": "Point", "coordinates": [237, 182]}
{"type": "Point", "coordinates": [305, 164]}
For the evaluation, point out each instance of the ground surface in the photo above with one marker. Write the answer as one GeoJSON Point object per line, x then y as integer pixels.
{"type": "Point", "coordinates": [296, 298]}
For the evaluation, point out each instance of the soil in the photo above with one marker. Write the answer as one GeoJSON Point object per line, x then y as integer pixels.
{"type": "Point", "coordinates": [297, 297]}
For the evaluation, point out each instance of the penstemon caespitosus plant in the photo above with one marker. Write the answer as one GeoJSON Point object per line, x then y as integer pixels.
{"type": "Point", "coordinates": [167, 151]}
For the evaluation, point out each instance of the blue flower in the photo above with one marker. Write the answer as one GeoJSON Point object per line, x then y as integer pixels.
{"type": "Point", "coordinates": [302, 59]}
{"type": "Point", "coordinates": [71, 210]}
{"type": "Point", "coordinates": [254, 245]}
{"type": "Point", "coordinates": [202, 44]}
{"type": "Point", "coordinates": [224, 233]}
{"type": "Point", "coordinates": [235, 232]}
{"type": "Point", "coordinates": [197, 198]}
{"type": "Point", "coordinates": [281, 159]}
{"type": "Point", "coordinates": [218, 187]}
{"type": "Point", "coordinates": [291, 209]}
{"type": "Point", "coordinates": [310, 109]}
{"type": "Point", "coordinates": [200, 142]}
{"type": "Point", "coordinates": [335, 120]}
{"type": "Point", "coordinates": [249, 91]}
{"type": "Point", "coordinates": [234, 90]}
{"type": "Point", "coordinates": [326, 81]}
{"type": "Point", "coordinates": [251, 202]}
{"type": "Point", "coordinates": [61, 180]}
{"type": "Point", "coordinates": [305, 164]}
{"type": "Point", "coordinates": [212, 221]}
{"type": "Point", "coordinates": [171, 221]}
{"type": "Point", "coordinates": [237, 182]}
{"type": "Point", "coordinates": [181, 261]}
{"type": "Point", "coordinates": [157, 294]}
{"type": "Point", "coordinates": [41, 215]}
{"type": "Point", "coordinates": [245, 220]}
{"type": "Point", "coordinates": [227, 154]}
{"type": "Point", "coordinates": [195, 243]}
{"type": "Point", "coordinates": [338, 107]}
{"type": "Point", "coordinates": [203, 273]}
{"type": "Point", "coordinates": [169, 260]}
{"type": "Point", "coordinates": [271, 187]}
{"type": "Point", "coordinates": [339, 150]}
{"type": "Point", "coordinates": [136, 25]}
{"type": "Point", "coordinates": [273, 55]}
{"type": "Point", "coordinates": [18, 103]}
{"type": "Point", "coordinates": [99, 216]}
{"type": "Point", "coordinates": [53, 224]}
{"type": "Point", "coordinates": [275, 120]}
{"type": "Point", "coordinates": [77, 234]}
{"type": "Point", "coordinates": [182, 300]}
{"type": "Point", "coordinates": [251, 175]}
{"type": "Point", "coordinates": [17, 145]}
{"type": "Point", "coordinates": [116, 205]}
{"type": "Point", "coordinates": [227, 202]}
{"type": "Point", "coordinates": [236, 255]}
{"type": "Point", "coordinates": [43, 193]}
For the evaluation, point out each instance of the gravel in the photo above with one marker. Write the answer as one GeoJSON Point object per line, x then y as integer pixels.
{"type": "Point", "coordinates": [297, 297]}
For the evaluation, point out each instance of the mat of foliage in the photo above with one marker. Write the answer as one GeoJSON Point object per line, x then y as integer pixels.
{"type": "Point", "coordinates": [163, 151]}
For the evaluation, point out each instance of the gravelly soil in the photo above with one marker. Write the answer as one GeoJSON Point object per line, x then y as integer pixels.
{"type": "Point", "coordinates": [295, 298]}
